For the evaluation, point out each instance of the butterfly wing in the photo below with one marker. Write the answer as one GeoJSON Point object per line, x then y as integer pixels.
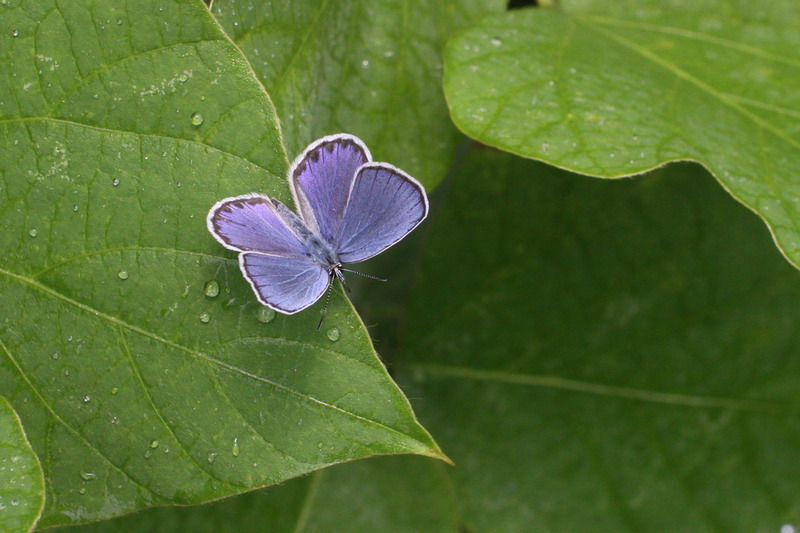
{"type": "Point", "coordinates": [274, 261]}
{"type": "Point", "coordinates": [286, 284]}
{"type": "Point", "coordinates": [321, 179]}
{"type": "Point", "coordinates": [385, 204]}
{"type": "Point", "coordinates": [252, 222]}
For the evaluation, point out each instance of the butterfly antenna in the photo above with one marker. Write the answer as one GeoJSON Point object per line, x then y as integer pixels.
{"type": "Point", "coordinates": [327, 300]}
{"type": "Point", "coordinates": [365, 275]}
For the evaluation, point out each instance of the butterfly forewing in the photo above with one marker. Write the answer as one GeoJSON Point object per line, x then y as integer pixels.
{"type": "Point", "coordinates": [321, 179]}
{"type": "Point", "coordinates": [385, 205]}
{"type": "Point", "coordinates": [252, 223]}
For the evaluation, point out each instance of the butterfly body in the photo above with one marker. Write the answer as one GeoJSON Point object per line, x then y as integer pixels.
{"type": "Point", "coordinates": [350, 209]}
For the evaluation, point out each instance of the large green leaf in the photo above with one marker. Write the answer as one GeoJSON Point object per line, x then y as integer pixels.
{"type": "Point", "coordinates": [396, 494]}
{"type": "Point", "coordinates": [372, 68]}
{"type": "Point", "coordinates": [21, 480]}
{"type": "Point", "coordinates": [607, 356]}
{"type": "Point", "coordinates": [141, 365]}
{"type": "Point", "coordinates": [616, 88]}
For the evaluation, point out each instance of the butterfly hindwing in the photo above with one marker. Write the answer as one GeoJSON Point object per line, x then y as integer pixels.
{"type": "Point", "coordinates": [286, 284]}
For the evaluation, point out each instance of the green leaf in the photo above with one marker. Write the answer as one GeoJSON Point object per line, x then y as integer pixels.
{"type": "Point", "coordinates": [606, 356]}
{"type": "Point", "coordinates": [22, 492]}
{"type": "Point", "coordinates": [136, 386]}
{"type": "Point", "coordinates": [616, 88]}
{"type": "Point", "coordinates": [371, 68]}
{"type": "Point", "coordinates": [380, 494]}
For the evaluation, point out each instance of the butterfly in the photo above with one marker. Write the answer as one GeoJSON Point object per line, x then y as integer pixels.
{"type": "Point", "coordinates": [349, 209]}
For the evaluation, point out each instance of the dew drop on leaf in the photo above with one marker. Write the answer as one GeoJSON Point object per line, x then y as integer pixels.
{"type": "Point", "coordinates": [211, 457]}
{"type": "Point", "coordinates": [88, 476]}
{"type": "Point", "coordinates": [235, 448]}
{"type": "Point", "coordinates": [122, 274]}
{"type": "Point", "coordinates": [87, 399]}
{"type": "Point", "coordinates": [211, 288]}
{"type": "Point", "coordinates": [33, 232]}
{"type": "Point", "coordinates": [15, 33]}
{"type": "Point", "coordinates": [497, 41]}
{"type": "Point", "coordinates": [114, 390]}
{"type": "Point", "coordinates": [333, 333]}
{"type": "Point", "coordinates": [197, 119]}
{"type": "Point", "coordinates": [205, 318]}
{"type": "Point", "coordinates": [265, 315]}
{"type": "Point", "coordinates": [154, 444]}
{"type": "Point", "coordinates": [115, 182]}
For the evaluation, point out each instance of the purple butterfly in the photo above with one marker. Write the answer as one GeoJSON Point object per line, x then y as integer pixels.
{"type": "Point", "coordinates": [350, 209]}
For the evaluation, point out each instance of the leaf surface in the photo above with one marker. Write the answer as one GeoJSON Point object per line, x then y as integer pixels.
{"type": "Point", "coordinates": [380, 494]}
{"type": "Point", "coordinates": [613, 89]}
{"type": "Point", "coordinates": [606, 356]}
{"type": "Point", "coordinates": [371, 68]}
{"type": "Point", "coordinates": [22, 493]}
{"type": "Point", "coordinates": [142, 367]}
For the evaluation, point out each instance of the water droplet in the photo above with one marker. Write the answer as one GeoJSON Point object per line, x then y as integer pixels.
{"type": "Point", "coordinates": [319, 445]}
{"type": "Point", "coordinates": [230, 302]}
{"type": "Point", "coordinates": [82, 490]}
{"type": "Point", "coordinates": [66, 372]}
{"type": "Point", "coordinates": [33, 232]}
{"type": "Point", "coordinates": [183, 78]}
{"type": "Point", "coordinates": [365, 63]}
{"type": "Point", "coordinates": [114, 420]}
{"type": "Point", "coordinates": [211, 457]}
{"type": "Point", "coordinates": [88, 476]}
{"type": "Point", "coordinates": [235, 448]}
{"type": "Point", "coordinates": [75, 207]}
{"type": "Point", "coordinates": [265, 314]}
{"type": "Point", "coordinates": [122, 274]}
{"type": "Point", "coordinates": [148, 454]}
{"type": "Point", "coordinates": [15, 33]}
{"type": "Point", "coordinates": [211, 289]}
{"type": "Point", "coordinates": [334, 333]}
{"type": "Point", "coordinates": [114, 390]}
{"type": "Point", "coordinates": [115, 182]}
{"type": "Point", "coordinates": [15, 502]}
{"type": "Point", "coordinates": [154, 444]}
{"type": "Point", "coordinates": [197, 119]}
{"type": "Point", "coordinates": [205, 318]}
{"type": "Point", "coordinates": [56, 355]}
{"type": "Point", "coordinates": [87, 399]}
{"type": "Point", "coordinates": [119, 22]}
{"type": "Point", "coordinates": [497, 41]}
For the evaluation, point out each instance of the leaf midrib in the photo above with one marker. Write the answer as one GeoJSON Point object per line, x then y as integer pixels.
{"type": "Point", "coordinates": [597, 389]}
{"type": "Point", "coordinates": [209, 359]}
{"type": "Point", "coordinates": [135, 133]}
